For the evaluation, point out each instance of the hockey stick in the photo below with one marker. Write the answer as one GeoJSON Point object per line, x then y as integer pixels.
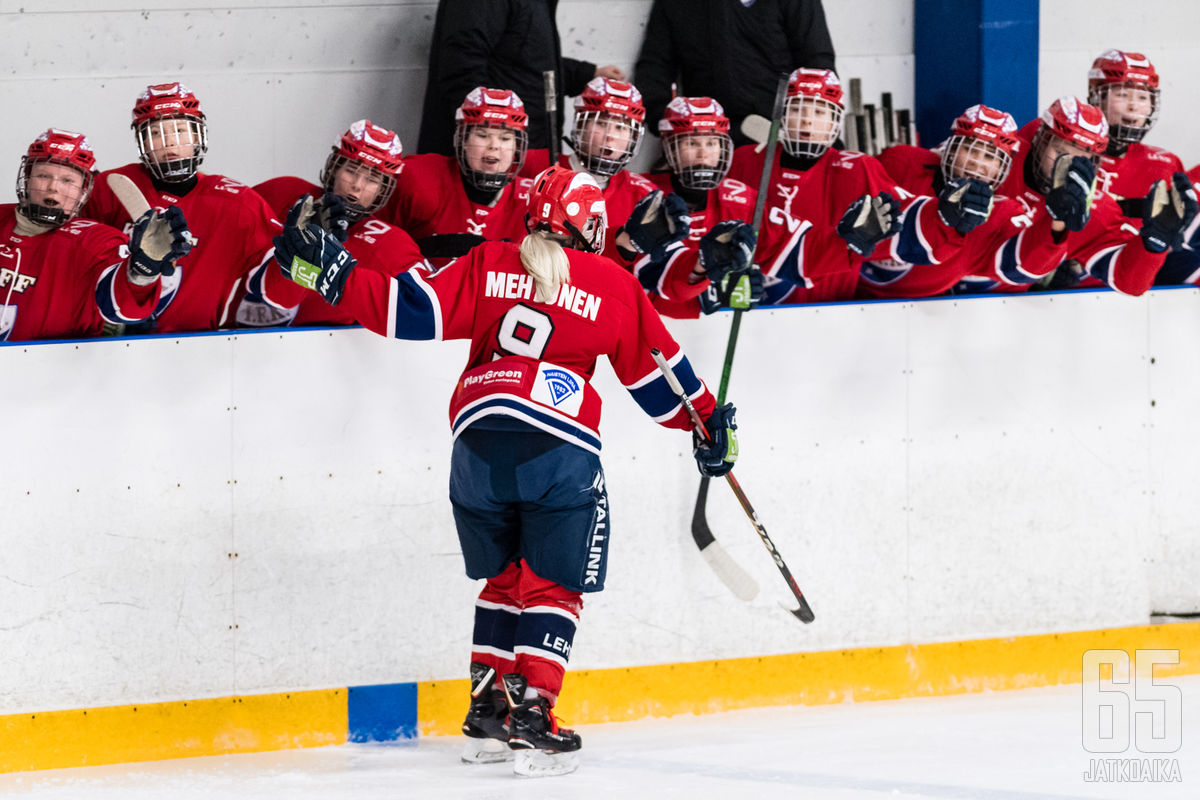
{"type": "Point", "coordinates": [551, 114]}
{"type": "Point", "coordinates": [804, 613]}
{"type": "Point", "coordinates": [736, 578]}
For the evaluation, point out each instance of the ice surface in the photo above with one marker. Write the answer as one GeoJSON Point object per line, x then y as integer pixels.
{"type": "Point", "coordinates": [996, 746]}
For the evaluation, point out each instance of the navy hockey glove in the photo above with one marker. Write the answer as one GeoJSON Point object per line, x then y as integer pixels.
{"type": "Point", "coordinates": [1168, 209]}
{"type": "Point", "coordinates": [448, 245]}
{"type": "Point", "coordinates": [311, 256]}
{"type": "Point", "coordinates": [964, 203]}
{"type": "Point", "coordinates": [1072, 188]}
{"type": "Point", "coordinates": [868, 221]}
{"type": "Point", "coordinates": [334, 216]}
{"type": "Point", "coordinates": [158, 241]}
{"type": "Point", "coordinates": [715, 456]}
{"type": "Point", "coordinates": [727, 248]}
{"type": "Point", "coordinates": [657, 222]}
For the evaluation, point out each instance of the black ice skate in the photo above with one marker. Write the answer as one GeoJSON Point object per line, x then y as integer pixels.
{"type": "Point", "coordinates": [486, 719]}
{"type": "Point", "coordinates": [543, 748]}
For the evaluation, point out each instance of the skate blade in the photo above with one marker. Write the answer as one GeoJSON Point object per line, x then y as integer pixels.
{"type": "Point", "coordinates": [543, 764]}
{"type": "Point", "coordinates": [486, 751]}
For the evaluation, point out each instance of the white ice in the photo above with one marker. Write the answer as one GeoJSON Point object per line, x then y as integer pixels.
{"type": "Point", "coordinates": [996, 746]}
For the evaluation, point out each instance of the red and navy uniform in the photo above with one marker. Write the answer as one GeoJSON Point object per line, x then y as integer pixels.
{"type": "Point", "coordinates": [233, 227]}
{"type": "Point", "coordinates": [528, 379]}
{"type": "Point", "coordinates": [667, 281]}
{"type": "Point", "coordinates": [373, 243]}
{"type": "Point", "coordinates": [430, 199]}
{"type": "Point", "coordinates": [67, 282]}
{"type": "Point", "coordinates": [1013, 247]}
{"type": "Point", "coordinates": [802, 258]}
{"type": "Point", "coordinates": [1109, 248]}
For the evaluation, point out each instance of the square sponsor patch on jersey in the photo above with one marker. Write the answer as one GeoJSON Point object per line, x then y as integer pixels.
{"type": "Point", "coordinates": [558, 388]}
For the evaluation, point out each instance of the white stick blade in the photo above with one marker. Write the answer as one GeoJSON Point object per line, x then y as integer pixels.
{"type": "Point", "coordinates": [743, 586]}
{"type": "Point", "coordinates": [128, 194]}
{"type": "Point", "coordinates": [756, 128]}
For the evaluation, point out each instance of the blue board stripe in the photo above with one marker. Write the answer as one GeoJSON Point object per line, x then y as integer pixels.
{"type": "Point", "coordinates": [383, 712]}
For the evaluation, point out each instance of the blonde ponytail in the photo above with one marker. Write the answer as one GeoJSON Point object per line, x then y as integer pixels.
{"type": "Point", "coordinates": [545, 261]}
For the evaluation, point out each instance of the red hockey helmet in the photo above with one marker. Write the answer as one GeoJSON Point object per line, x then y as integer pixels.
{"type": "Point", "coordinates": [608, 125]}
{"type": "Point", "coordinates": [500, 109]}
{"type": "Point", "coordinates": [172, 136]}
{"type": "Point", "coordinates": [695, 138]}
{"type": "Point", "coordinates": [1125, 86]}
{"type": "Point", "coordinates": [373, 156]}
{"type": "Point", "coordinates": [1068, 125]}
{"type": "Point", "coordinates": [982, 144]}
{"type": "Point", "coordinates": [568, 204]}
{"type": "Point", "coordinates": [1079, 123]}
{"type": "Point", "coordinates": [812, 114]}
{"type": "Point", "coordinates": [54, 197]}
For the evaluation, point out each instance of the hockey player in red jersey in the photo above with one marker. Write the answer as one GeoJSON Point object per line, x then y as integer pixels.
{"type": "Point", "coordinates": [699, 150]}
{"type": "Point", "coordinates": [358, 178]}
{"type": "Point", "coordinates": [63, 277]}
{"type": "Point", "coordinates": [1091, 237]}
{"type": "Point", "coordinates": [826, 209]}
{"type": "Point", "coordinates": [962, 173]}
{"type": "Point", "coordinates": [449, 205]}
{"type": "Point", "coordinates": [526, 483]}
{"type": "Point", "coordinates": [233, 225]}
{"type": "Point", "coordinates": [1125, 87]}
{"type": "Point", "coordinates": [605, 135]}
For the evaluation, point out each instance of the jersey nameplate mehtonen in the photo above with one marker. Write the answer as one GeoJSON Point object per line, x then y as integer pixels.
{"type": "Point", "coordinates": [515, 286]}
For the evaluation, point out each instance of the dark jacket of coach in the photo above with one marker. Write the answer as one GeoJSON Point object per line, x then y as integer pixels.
{"type": "Point", "coordinates": [500, 44]}
{"type": "Point", "coordinates": [731, 50]}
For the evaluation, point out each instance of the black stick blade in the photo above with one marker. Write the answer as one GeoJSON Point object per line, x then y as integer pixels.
{"type": "Point", "coordinates": [804, 613]}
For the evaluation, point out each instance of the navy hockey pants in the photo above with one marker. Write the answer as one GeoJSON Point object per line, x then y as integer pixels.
{"type": "Point", "coordinates": [521, 493]}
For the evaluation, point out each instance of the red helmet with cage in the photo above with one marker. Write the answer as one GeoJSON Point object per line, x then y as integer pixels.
{"type": "Point", "coordinates": [982, 144]}
{"type": "Point", "coordinates": [172, 136]}
{"type": "Point", "coordinates": [364, 163]}
{"type": "Point", "coordinates": [695, 138]}
{"type": "Point", "coordinates": [503, 111]}
{"type": "Point", "coordinates": [568, 204]}
{"type": "Point", "coordinates": [54, 196]}
{"type": "Point", "coordinates": [812, 115]}
{"type": "Point", "coordinates": [1125, 87]}
{"type": "Point", "coordinates": [608, 125]}
{"type": "Point", "coordinates": [1079, 123]}
{"type": "Point", "coordinates": [1068, 125]}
